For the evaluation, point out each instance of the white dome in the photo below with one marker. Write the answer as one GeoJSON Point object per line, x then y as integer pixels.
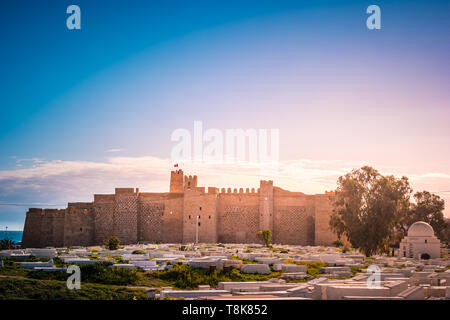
{"type": "Point", "coordinates": [420, 229]}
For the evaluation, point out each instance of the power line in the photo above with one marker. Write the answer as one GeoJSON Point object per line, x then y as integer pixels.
{"type": "Point", "coordinates": [31, 204]}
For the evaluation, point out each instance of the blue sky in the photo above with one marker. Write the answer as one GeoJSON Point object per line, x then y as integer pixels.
{"type": "Point", "coordinates": [85, 110]}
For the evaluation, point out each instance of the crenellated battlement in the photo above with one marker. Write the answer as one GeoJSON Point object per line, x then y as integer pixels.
{"type": "Point", "coordinates": [266, 183]}
{"type": "Point", "coordinates": [238, 191]}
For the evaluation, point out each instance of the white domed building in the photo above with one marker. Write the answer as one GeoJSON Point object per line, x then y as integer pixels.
{"type": "Point", "coordinates": [420, 243]}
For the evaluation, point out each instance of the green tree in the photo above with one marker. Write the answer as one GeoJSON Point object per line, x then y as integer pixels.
{"type": "Point", "coordinates": [429, 208]}
{"type": "Point", "coordinates": [266, 236]}
{"type": "Point", "coordinates": [367, 208]}
{"type": "Point", "coordinates": [112, 243]}
{"type": "Point", "coordinates": [447, 232]}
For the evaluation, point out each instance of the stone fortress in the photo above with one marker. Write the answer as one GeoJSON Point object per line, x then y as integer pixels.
{"type": "Point", "coordinates": [224, 216]}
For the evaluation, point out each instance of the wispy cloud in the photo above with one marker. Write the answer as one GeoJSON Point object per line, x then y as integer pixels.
{"type": "Point", "coordinates": [113, 150]}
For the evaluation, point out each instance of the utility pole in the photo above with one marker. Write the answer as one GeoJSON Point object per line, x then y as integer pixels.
{"type": "Point", "coordinates": [196, 231]}
{"type": "Point", "coordinates": [6, 227]}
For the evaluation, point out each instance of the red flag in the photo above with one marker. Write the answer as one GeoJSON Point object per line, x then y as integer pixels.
{"type": "Point", "coordinates": [175, 165]}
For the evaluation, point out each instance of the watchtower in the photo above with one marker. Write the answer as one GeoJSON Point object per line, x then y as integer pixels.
{"type": "Point", "coordinates": [190, 182]}
{"type": "Point", "coordinates": [176, 181]}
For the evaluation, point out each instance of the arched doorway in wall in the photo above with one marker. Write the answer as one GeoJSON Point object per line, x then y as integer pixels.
{"type": "Point", "coordinates": [425, 256]}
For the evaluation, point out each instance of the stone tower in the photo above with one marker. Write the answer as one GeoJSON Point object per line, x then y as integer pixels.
{"type": "Point", "coordinates": [190, 182]}
{"type": "Point", "coordinates": [176, 181]}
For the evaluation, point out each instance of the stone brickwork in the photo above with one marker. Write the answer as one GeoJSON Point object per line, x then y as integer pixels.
{"type": "Point", "coordinates": [238, 218]}
{"type": "Point", "coordinates": [32, 228]}
{"type": "Point", "coordinates": [172, 222]}
{"type": "Point", "coordinates": [125, 224]}
{"type": "Point", "coordinates": [323, 209]}
{"type": "Point", "coordinates": [151, 220]}
{"type": "Point", "coordinates": [103, 217]}
{"type": "Point", "coordinates": [79, 224]}
{"type": "Point", "coordinates": [44, 228]}
{"type": "Point", "coordinates": [225, 215]}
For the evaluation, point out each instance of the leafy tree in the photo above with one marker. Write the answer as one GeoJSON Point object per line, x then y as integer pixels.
{"type": "Point", "coordinates": [112, 243]}
{"type": "Point", "coordinates": [367, 208]}
{"type": "Point", "coordinates": [266, 236]}
{"type": "Point", "coordinates": [447, 232]}
{"type": "Point", "coordinates": [429, 208]}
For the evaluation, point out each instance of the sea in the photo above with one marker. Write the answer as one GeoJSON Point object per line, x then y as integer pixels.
{"type": "Point", "coordinates": [15, 236]}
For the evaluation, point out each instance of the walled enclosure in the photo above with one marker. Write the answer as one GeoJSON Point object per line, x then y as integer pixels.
{"type": "Point", "coordinates": [183, 215]}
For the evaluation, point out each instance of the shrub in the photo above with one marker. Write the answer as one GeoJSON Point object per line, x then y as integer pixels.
{"type": "Point", "coordinates": [338, 243]}
{"type": "Point", "coordinates": [139, 252]}
{"type": "Point", "coordinates": [266, 236]}
{"type": "Point", "coordinates": [6, 244]}
{"type": "Point", "coordinates": [112, 243]}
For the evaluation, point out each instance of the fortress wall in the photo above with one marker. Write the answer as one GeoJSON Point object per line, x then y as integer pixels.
{"type": "Point", "coordinates": [324, 207]}
{"type": "Point", "coordinates": [32, 228]}
{"type": "Point", "coordinates": [58, 228]}
{"type": "Point", "coordinates": [238, 218]}
{"type": "Point", "coordinates": [125, 225]}
{"type": "Point", "coordinates": [293, 219]}
{"type": "Point", "coordinates": [79, 224]}
{"type": "Point", "coordinates": [47, 228]}
{"type": "Point", "coordinates": [172, 220]}
{"type": "Point", "coordinates": [150, 226]}
{"type": "Point", "coordinates": [226, 215]}
{"type": "Point", "coordinates": [266, 203]}
{"type": "Point", "coordinates": [103, 217]}
{"type": "Point", "coordinates": [197, 203]}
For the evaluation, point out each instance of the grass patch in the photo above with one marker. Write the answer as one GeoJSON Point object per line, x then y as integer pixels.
{"type": "Point", "coordinates": [93, 273]}
{"type": "Point", "coordinates": [355, 270]}
{"type": "Point", "coordinates": [31, 289]}
{"type": "Point", "coordinates": [183, 276]}
{"type": "Point", "coordinates": [139, 252]}
{"type": "Point", "coordinates": [313, 268]}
